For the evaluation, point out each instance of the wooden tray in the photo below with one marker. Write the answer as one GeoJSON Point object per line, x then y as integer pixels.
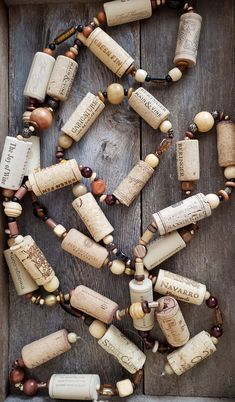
{"type": "Point", "coordinates": [112, 146]}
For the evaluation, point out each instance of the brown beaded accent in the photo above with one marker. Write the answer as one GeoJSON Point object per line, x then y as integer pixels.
{"type": "Point", "coordinates": [224, 195]}
{"type": "Point", "coordinates": [87, 30]}
{"type": "Point", "coordinates": [107, 390]}
{"type": "Point", "coordinates": [188, 134]}
{"type": "Point", "coordinates": [230, 184]}
{"type": "Point", "coordinates": [47, 50]}
{"type": "Point", "coordinates": [218, 316]}
{"type": "Point", "coordinates": [140, 251]}
{"type": "Point", "coordinates": [13, 227]}
{"type": "Point", "coordinates": [187, 185]}
{"type": "Point", "coordinates": [137, 377]}
{"type": "Point", "coordinates": [64, 35]}
{"type": "Point", "coordinates": [101, 17]}
{"type": "Point", "coordinates": [70, 55]}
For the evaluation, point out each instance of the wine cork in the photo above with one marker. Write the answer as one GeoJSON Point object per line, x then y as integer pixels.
{"type": "Point", "coordinates": [92, 303]}
{"type": "Point", "coordinates": [33, 159]}
{"type": "Point", "coordinates": [187, 159]}
{"type": "Point", "coordinates": [39, 75]}
{"type": "Point", "coordinates": [108, 51]}
{"type": "Point", "coordinates": [188, 39]}
{"type": "Point", "coordinates": [62, 77]}
{"type": "Point", "coordinates": [92, 216]}
{"type": "Point", "coordinates": [134, 182]}
{"type": "Point", "coordinates": [83, 117]}
{"type": "Point", "coordinates": [33, 260]}
{"type": "Point", "coordinates": [163, 248]}
{"type": "Point", "coordinates": [54, 177]}
{"type": "Point", "coordinates": [41, 351]}
{"type": "Point", "coordinates": [148, 107]}
{"type": "Point", "coordinates": [81, 246]}
{"type": "Point", "coordinates": [183, 213]}
{"type": "Point", "coordinates": [22, 280]}
{"type": "Point", "coordinates": [226, 143]}
{"type": "Point", "coordinates": [139, 293]}
{"type": "Point", "coordinates": [196, 349]}
{"type": "Point", "coordinates": [172, 322]}
{"type": "Point", "coordinates": [181, 288]}
{"type": "Point", "coordinates": [82, 387]}
{"type": "Point", "coordinates": [125, 351]}
{"type": "Point", "coordinates": [123, 11]}
{"type": "Point", "coordinates": [13, 162]}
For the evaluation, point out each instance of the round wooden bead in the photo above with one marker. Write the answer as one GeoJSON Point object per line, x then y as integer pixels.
{"type": "Point", "coordinates": [7, 193]}
{"type": "Point", "coordinates": [152, 160]}
{"type": "Point", "coordinates": [213, 200]}
{"type": "Point", "coordinates": [79, 189]}
{"type": "Point", "coordinates": [98, 187]}
{"type": "Point", "coordinates": [70, 55]}
{"type": "Point", "coordinates": [97, 329]}
{"type": "Point", "coordinates": [115, 93]}
{"type": "Point", "coordinates": [41, 117]}
{"type": "Point", "coordinates": [12, 209]}
{"type": "Point", "coordinates": [52, 285]}
{"type": "Point", "coordinates": [125, 388]}
{"type": "Point", "coordinates": [207, 295]}
{"type": "Point", "coordinates": [204, 121]}
{"type": "Point", "coordinates": [108, 239]}
{"type": "Point", "coordinates": [165, 126]}
{"type": "Point", "coordinates": [175, 74]}
{"type": "Point", "coordinates": [64, 141]}
{"type": "Point", "coordinates": [140, 75]}
{"type": "Point", "coordinates": [140, 251]}
{"type": "Point", "coordinates": [229, 172]}
{"type": "Point", "coordinates": [136, 312]}
{"type": "Point", "coordinates": [87, 31]}
{"type": "Point", "coordinates": [50, 300]}
{"type": "Point", "coordinates": [30, 387]}
{"type": "Point", "coordinates": [47, 50]}
{"type": "Point", "coordinates": [101, 17]}
{"type": "Point", "coordinates": [214, 340]}
{"type": "Point", "coordinates": [72, 337]}
{"type": "Point", "coordinates": [117, 267]}
{"type": "Point", "coordinates": [16, 375]}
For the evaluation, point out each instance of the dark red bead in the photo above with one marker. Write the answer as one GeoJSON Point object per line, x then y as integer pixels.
{"type": "Point", "coordinates": [30, 387]}
{"type": "Point", "coordinates": [110, 199]}
{"type": "Point", "coordinates": [212, 302]}
{"type": "Point", "coordinates": [86, 172]}
{"type": "Point", "coordinates": [217, 331]}
{"type": "Point", "coordinates": [16, 375]}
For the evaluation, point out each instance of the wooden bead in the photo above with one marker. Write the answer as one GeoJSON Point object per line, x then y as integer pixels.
{"type": "Point", "coordinates": [207, 295]}
{"type": "Point", "coordinates": [213, 200]}
{"type": "Point", "coordinates": [108, 239]}
{"type": "Point", "coordinates": [87, 31]}
{"type": "Point", "coordinates": [98, 187]}
{"type": "Point", "coordinates": [165, 126]}
{"type": "Point", "coordinates": [50, 300]}
{"type": "Point", "coordinates": [224, 195]}
{"type": "Point", "coordinates": [175, 74]}
{"type": "Point", "coordinates": [125, 388]}
{"type": "Point", "coordinates": [59, 230]}
{"type": "Point", "coordinates": [115, 93]}
{"type": "Point", "coordinates": [52, 285]}
{"type": "Point", "coordinates": [229, 172]}
{"type": "Point", "coordinates": [101, 17]}
{"type": "Point", "coordinates": [204, 121]}
{"type": "Point", "coordinates": [7, 193]}
{"type": "Point", "coordinates": [140, 251]}
{"type": "Point", "coordinates": [64, 141]}
{"type": "Point", "coordinates": [74, 50]}
{"type": "Point", "coordinates": [97, 329]}
{"type": "Point", "coordinates": [70, 55]}
{"type": "Point", "coordinates": [136, 312]}
{"type": "Point", "coordinates": [72, 337]}
{"type": "Point", "coordinates": [152, 160]}
{"type": "Point", "coordinates": [12, 209]}
{"type": "Point", "coordinates": [79, 189]}
{"type": "Point", "coordinates": [140, 75]}
{"type": "Point", "coordinates": [47, 50]}
{"type": "Point", "coordinates": [41, 117]}
{"type": "Point", "coordinates": [117, 267]}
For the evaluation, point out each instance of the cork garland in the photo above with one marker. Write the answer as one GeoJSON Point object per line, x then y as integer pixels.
{"type": "Point", "coordinates": [48, 83]}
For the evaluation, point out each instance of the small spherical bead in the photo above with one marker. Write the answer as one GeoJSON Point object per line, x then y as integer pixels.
{"type": "Point", "coordinates": [140, 75]}
{"type": "Point", "coordinates": [53, 104]}
{"type": "Point", "coordinates": [110, 199]}
{"type": "Point", "coordinates": [204, 121]}
{"type": "Point", "coordinates": [49, 51]}
{"type": "Point", "coordinates": [79, 189]}
{"type": "Point", "coordinates": [175, 74]}
{"type": "Point", "coordinates": [12, 209]}
{"type": "Point", "coordinates": [74, 50]}
{"type": "Point", "coordinates": [103, 198]}
{"type": "Point", "coordinates": [87, 30]}
{"type": "Point", "coordinates": [86, 172]}
{"type": "Point", "coordinates": [64, 141]}
{"type": "Point", "coordinates": [93, 177]}
{"type": "Point", "coordinates": [229, 172]}
{"type": "Point", "coordinates": [41, 117]}
{"type": "Point", "coordinates": [101, 17]}
{"type": "Point", "coordinates": [97, 329]}
{"type": "Point", "coordinates": [7, 193]}
{"type": "Point", "coordinates": [80, 28]}
{"type": "Point", "coordinates": [215, 340]}
{"type": "Point", "coordinates": [70, 55]}
{"type": "Point", "coordinates": [50, 300]}
{"type": "Point", "coordinates": [213, 200]}
{"type": "Point", "coordinates": [16, 375]}
{"type": "Point", "coordinates": [212, 302]}
{"type": "Point", "coordinates": [26, 133]}
{"type": "Point", "coordinates": [52, 285]}
{"type": "Point", "coordinates": [125, 388]}
{"type": "Point", "coordinates": [108, 239]}
{"type": "Point", "coordinates": [115, 93]}
{"type": "Point", "coordinates": [216, 331]}
{"type": "Point", "coordinates": [30, 387]}
{"type": "Point", "coordinates": [224, 195]}
{"type": "Point", "coordinates": [152, 160]}
{"type": "Point", "coordinates": [52, 46]}
{"type": "Point", "coordinates": [165, 126]}
{"type": "Point", "coordinates": [207, 295]}
{"type": "Point", "coordinates": [117, 267]}
{"type": "Point", "coordinates": [98, 187]}
{"type": "Point", "coordinates": [72, 337]}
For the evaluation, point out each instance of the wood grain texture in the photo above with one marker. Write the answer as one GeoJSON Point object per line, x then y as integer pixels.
{"type": "Point", "coordinates": [111, 147]}
{"type": "Point", "coordinates": [209, 258]}
{"type": "Point", "coordinates": [136, 398]}
{"type": "Point", "coordinates": [3, 133]}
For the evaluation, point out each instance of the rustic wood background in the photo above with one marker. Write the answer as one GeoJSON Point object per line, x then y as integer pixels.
{"type": "Point", "coordinates": [112, 146]}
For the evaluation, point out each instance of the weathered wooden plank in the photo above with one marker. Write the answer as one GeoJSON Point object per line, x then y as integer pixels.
{"type": "Point", "coordinates": [136, 398]}
{"type": "Point", "coordinates": [210, 256]}
{"type": "Point", "coordinates": [10, 3]}
{"type": "Point", "coordinates": [111, 147]}
{"type": "Point", "coordinates": [3, 133]}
